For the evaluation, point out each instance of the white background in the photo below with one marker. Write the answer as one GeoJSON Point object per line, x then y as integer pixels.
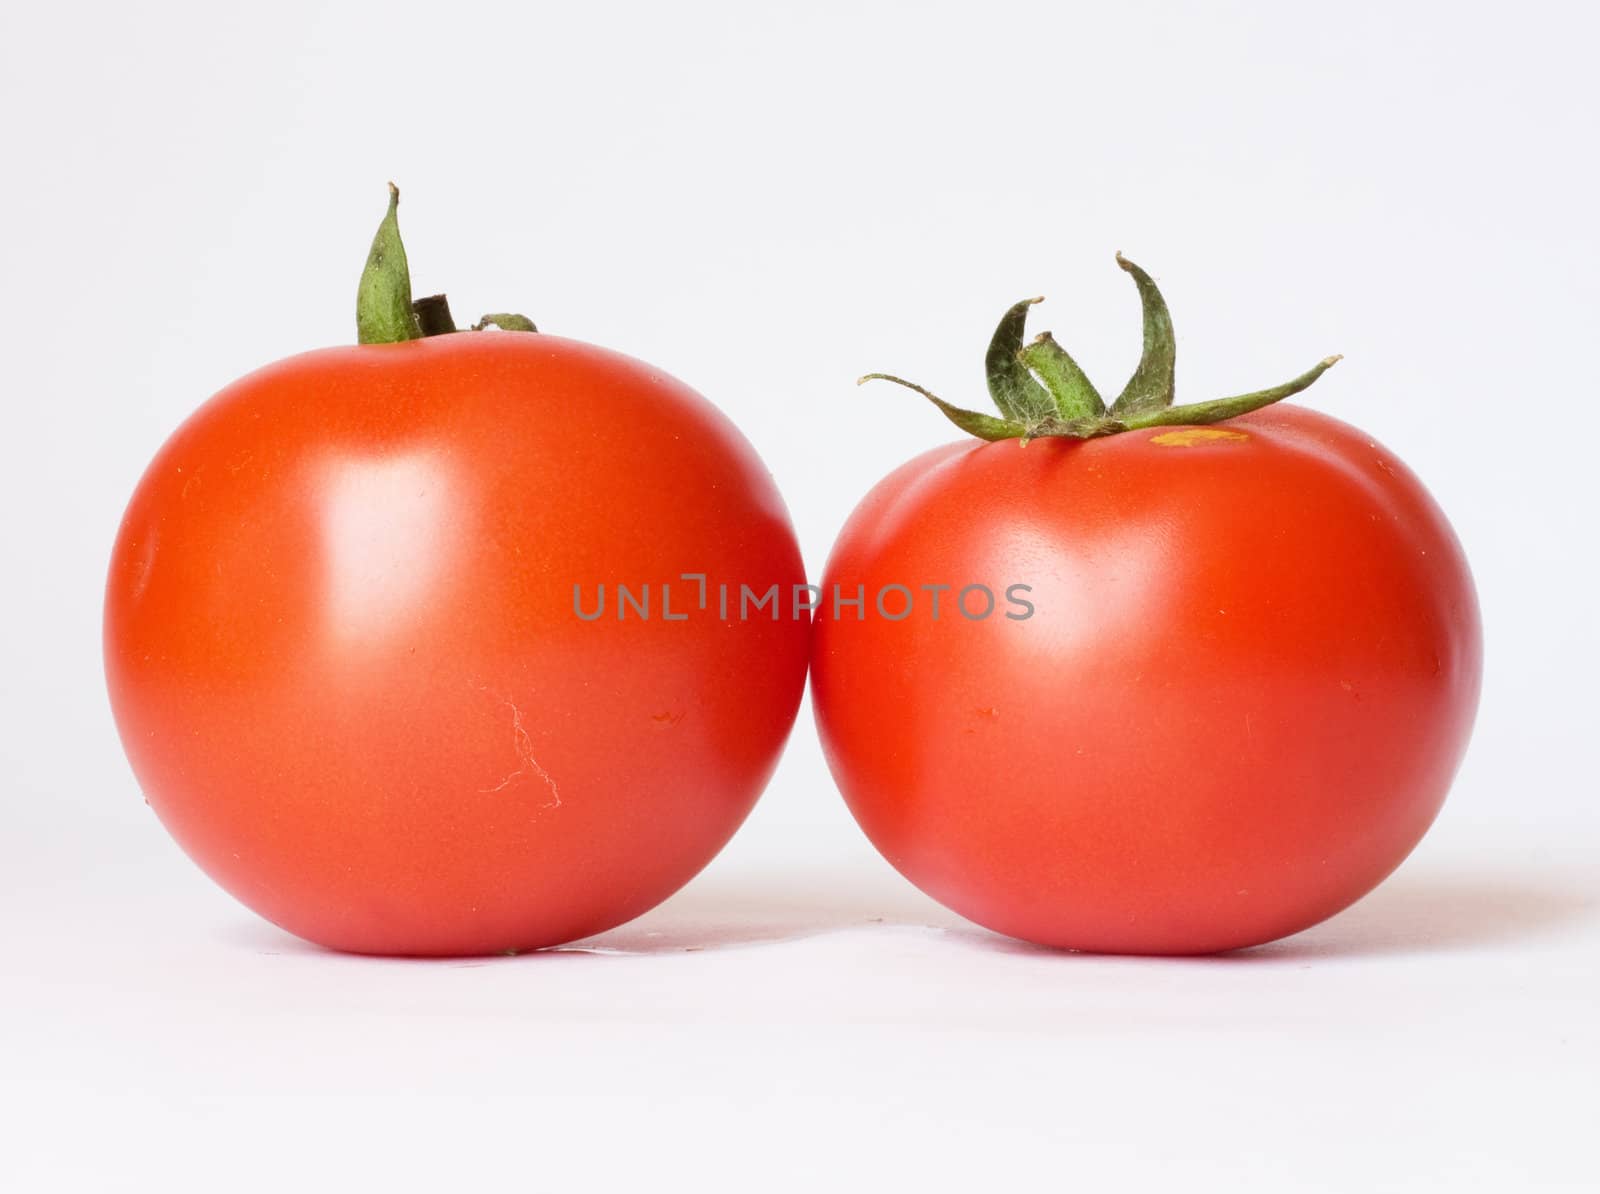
{"type": "Point", "coordinates": [767, 203]}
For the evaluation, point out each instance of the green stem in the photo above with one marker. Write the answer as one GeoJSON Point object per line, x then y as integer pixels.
{"type": "Point", "coordinates": [433, 315]}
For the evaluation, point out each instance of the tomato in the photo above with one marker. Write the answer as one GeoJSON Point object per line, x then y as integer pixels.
{"type": "Point", "coordinates": [350, 650]}
{"type": "Point", "coordinates": [1233, 688]}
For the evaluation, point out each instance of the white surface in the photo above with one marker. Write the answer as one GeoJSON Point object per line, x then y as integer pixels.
{"type": "Point", "coordinates": [805, 1029]}
{"type": "Point", "coordinates": [768, 204]}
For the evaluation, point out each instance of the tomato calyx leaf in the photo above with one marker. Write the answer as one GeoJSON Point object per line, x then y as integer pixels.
{"type": "Point", "coordinates": [972, 422]}
{"type": "Point", "coordinates": [1041, 392]}
{"type": "Point", "coordinates": [1017, 396]}
{"type": "Point", "coordinates": [506, 322]}
{"type": "Point", "coordinates": [1151, 386]}
{"type": "Point", "coordinates": [383, 298]}
{"type": "Point", "coordinates": [1074, 394]}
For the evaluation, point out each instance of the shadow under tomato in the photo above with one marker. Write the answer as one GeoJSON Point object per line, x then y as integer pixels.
{"type": "Point", "coordinates": [1443, 913]}
{"type": "Point", "coordinates": [1419, 913]}
{"type": "Point", "coordinates": [726, 911]}
{"type": "Point", "coordinates": [716, 911]}
{"type": "Point", "coordinates": [1426, 913]}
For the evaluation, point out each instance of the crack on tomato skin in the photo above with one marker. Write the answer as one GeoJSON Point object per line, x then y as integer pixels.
{"type": "Point", "coordinates": [522, 743]}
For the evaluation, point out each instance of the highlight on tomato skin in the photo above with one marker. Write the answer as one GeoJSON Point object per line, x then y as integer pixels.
{"type": "Point", "coordinates": [1248, 678]}
{"type": "Point", "coordinates": [343, 653]}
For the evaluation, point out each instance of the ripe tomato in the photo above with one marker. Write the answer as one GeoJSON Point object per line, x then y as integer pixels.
{"type": "Point", "coordinates": [1249, 675]}
{"type": "Point", "coordinates": [343, 651]}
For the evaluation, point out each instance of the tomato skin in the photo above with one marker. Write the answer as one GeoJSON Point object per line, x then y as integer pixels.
{"type": "Point", "coordinates": [1249, 679]}
{"type": "Point", "coordinates": [342, 652]}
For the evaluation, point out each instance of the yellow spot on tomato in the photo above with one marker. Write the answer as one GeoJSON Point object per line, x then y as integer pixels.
{"type": "Point", "coordinates": [1188, 437]}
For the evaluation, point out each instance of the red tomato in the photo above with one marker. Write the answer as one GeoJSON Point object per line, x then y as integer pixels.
{"type": "Point", "coordinates": [343, 653]}
{"type": "Point", "coordinates": [1248, 679]}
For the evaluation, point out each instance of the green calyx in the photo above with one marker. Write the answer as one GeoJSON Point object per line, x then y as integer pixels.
{"type": "Point", "coordinates": [1040, 391]}
{"type": "Point", "coordinates": [385, 312]}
